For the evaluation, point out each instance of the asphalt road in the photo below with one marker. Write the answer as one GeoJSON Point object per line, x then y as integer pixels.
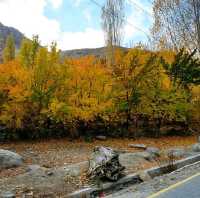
{"type": "Point", "coordinates": [188, 188]}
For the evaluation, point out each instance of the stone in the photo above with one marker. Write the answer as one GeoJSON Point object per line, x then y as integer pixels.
{"type": "Point", "coordinates": [9, 159]}
{"type": "Point", "coordinates": [196, 147]}
{"type": "Point", "coordinates": [101, 137]}
{"type": "Point", "coordinates": [144, 176]}
{"type": "Point", "coordinates": [138, 146]}
{"type": "Point", "coordinates": [104, 163]}
{"type": "Point", "coordinates": [154, 151]}
{"type": "Point", "coordinates": [8, 195]}
{"type": "Point", "coordinates": [176, 152]}
{"type": "Point", "coordinates": [33, 167]}
{"type": "Point", "coordinates": [146, 155]}
{"type": "Point", "coordinates": [130, 160]}
{"type": "Point", "coordinates": [49, 173]}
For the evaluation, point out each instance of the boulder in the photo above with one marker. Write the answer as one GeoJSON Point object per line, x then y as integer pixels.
{"type": "Point", "coordinates": [155, 152]}
{"type": "Point", "coordinates": [7, 195]}
{"type": "Point", "coordinates": [33, 167]}
{"type": "Point", "coordinates": [104, 163]}
{"type": "Point", "coordinates": [146, 155]}
{"type": "Point", "coordinates": [9, 159]}
{"type": "Point", "coordinates": [138, 146]}
{"type": "Point", "coordinates": [131, 160]}
{"type": "Point", "coordinates": [101, 137]}
{"type": "Point", "coordinates": [196, 147]}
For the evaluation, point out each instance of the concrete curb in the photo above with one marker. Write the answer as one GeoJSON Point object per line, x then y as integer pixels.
{"type": "Point", "coordinates": [157, 171]}
{"type": "Point", "coordinates": [133, 178]}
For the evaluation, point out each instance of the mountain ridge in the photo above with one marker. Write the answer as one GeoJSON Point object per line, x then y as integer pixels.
{"type": "Point", "coordinates": [74, 53]}
{"type": "Point", "coordinates": [4, 32]}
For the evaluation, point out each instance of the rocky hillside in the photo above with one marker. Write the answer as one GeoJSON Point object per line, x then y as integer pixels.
{"type": "Point", "coordinates": [4, 32]}
{"type": "Point", "coordinates": [84, 52]}
{"type": "Point", "coordinates": [99, 52]}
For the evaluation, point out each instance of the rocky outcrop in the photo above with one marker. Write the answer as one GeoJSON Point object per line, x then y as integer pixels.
{"type": "Point", "coordinates": [9, 159]}
{"type": "Point", "coordinates": [4, 32]}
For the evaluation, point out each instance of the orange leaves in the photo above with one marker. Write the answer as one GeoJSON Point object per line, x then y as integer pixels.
{"type": "Point", "coordinates": [90, 88]}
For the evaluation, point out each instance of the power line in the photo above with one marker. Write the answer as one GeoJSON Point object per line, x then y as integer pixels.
{"type": "Point", "coordinates": [151, 2]}
{"type": "Point", "coordinates": [128, 22]}
{"type": "Point", "coordinates": [140, 8]}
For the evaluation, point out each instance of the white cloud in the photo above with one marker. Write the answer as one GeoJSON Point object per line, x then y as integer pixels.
{"type": "Point", "coordinates": [90, 38]}
{"type": "Point", "coordinates": [56, 3]}
{"type": "Point", "coordinates": [28, 17]}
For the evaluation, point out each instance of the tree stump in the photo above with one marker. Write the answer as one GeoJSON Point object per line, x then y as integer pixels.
{"type": "Point", "coordinates": [104, 163]}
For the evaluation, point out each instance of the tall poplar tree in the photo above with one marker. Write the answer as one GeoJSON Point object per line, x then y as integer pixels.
{"type": "Point", "coordinates": [112, 23]}
{"type": "Point", "coordinates": [9, 50]}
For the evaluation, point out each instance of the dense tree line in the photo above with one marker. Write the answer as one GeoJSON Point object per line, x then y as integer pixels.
{"type": "Point", "coordinates": [42, 96]}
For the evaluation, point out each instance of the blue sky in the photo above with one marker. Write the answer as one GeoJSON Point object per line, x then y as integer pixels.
{"type": "Point", "coordinates": [73, 23]}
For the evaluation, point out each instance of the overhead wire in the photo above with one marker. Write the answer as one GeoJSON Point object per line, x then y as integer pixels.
{"type": "Point", "coordinates": [140, 8]}
{"type": "Point", "coordinates": [126, 21]}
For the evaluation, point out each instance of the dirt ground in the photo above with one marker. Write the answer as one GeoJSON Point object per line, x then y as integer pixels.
{"type": "Point", "coordinates": [57, 153]}
{"type": "Point", "coordinates": [54, 153]}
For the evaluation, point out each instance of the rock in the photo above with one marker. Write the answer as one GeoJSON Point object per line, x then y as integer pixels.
{"type": "Point", "coordinates": [9, 159]}
{"type": "Point", "coordinates": [176, 152]}
{"type": "Point", "coordinates": [138, 146]}
{"type": "Point", "coordinates": [153, 151]}
{"type": "Point", "coordinates": [7, 195]}
{"type": "Point", "coordinates": [49, 173]}
{"type": "Point", "coordinates": [130, 160]}
{"type": "Point", "coordinates": [104, 163]}
{"type": "Point", "coordinates": [196, 147]}
{"type": "Point", "coordinates": [33, 167]}
{"type": "Point", "coordinates": [101, 137]}
{"type": "Point", "coordinates": [145, 155]}
{"type": "Point", "coordinates": [144, 176]}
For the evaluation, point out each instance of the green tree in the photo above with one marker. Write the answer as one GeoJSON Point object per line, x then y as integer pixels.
{"type": "Point", "coordinates": [28, 51]}
{"type": "Point", "coordinates": [185, 70]}
{"type": "Point", "coordinates": [9, 50]}
{"type": "Point", "coordinates": [24, 53]}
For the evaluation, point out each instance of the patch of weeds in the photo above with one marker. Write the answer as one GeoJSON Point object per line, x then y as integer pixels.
{"type": "Point", "coordinates": [167, 163]}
